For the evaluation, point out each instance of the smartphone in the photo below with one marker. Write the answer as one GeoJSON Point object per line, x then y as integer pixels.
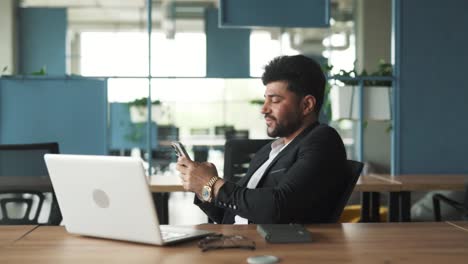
{"type": "Point", "coordinates": [180, 149]}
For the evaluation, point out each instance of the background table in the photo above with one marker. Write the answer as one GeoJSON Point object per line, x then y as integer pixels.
{"type": "Point", "coordinates": [369, 186]}
{"type": "Point", "coordinates": [337, 243]}
{"type": "Point", "coordinates": [400, 202]}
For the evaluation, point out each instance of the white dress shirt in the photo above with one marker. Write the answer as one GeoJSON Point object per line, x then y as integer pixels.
{"type": "Point", "coordinates": [276, 147]}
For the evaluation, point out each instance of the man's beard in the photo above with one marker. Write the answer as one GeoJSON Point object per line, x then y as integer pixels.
{"type": "Point", "coordinates": [283, 130]}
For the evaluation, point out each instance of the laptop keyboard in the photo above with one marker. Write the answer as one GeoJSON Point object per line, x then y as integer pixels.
{"type": "Point", "coordinates": [171, 235]}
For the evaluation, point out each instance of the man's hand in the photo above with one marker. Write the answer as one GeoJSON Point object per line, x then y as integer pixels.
{"type": "Point", "coordinates": [195, 175]}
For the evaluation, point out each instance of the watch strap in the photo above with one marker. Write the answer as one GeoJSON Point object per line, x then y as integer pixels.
{"type": "Point", "coordinates": [210, 184]}
{"type": "Point", "coordinates": [212, 181]}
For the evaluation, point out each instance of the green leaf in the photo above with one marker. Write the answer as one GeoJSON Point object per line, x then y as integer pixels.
{"type": "Point", "coordinates": [143, 101]}
{"type": "Point", "coordinates": [257, 101]}
{"type": "Point", "coordinates": [389, 128]}
{"type": "Point", "coordinates": [41, 72]}
{"type": "Point", "coordinates": [365, 124]}
{"type": "Point", "coordinates": [5, 69]}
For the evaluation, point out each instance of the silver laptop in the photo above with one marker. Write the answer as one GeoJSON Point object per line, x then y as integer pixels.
{"type": "Point", "coordinates": [109, 197]}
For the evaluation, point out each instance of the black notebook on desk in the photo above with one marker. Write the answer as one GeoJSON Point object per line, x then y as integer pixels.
{"type": "Point", "coordinates": [289, 233]}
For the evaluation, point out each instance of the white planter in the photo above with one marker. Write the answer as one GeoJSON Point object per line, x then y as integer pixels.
{"type": "Point", "coordinates": [376, 103]}
{"type": "Point", "coordinates": [139, 114]}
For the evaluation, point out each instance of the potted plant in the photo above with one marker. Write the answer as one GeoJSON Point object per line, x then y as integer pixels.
{"type": "Point", "coordinates": [376, 95]}
{"type": "Point", "coordinates": [139, 110]}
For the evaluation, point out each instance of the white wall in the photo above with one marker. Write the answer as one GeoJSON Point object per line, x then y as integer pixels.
{"type": "Point", "coordinates": [7, 33]}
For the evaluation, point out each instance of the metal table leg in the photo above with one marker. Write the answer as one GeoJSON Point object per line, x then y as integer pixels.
{"type": "Point", "coordinates": [394, 207]}
{"type": "Point", "coordinates": [375, 207]}
{"type": "Point", "coordinates": [365, 204]}
{"type": "Point", "coordinates": [405, 206]}
{"type": "Point", "coordinates": [161, 201]}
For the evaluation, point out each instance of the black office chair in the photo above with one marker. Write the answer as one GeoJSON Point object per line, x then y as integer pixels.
{"type": "Point", "coordinates": [354, 170]}
{"type": "Point", "coordinates": [20, 161]}
{"type": "Point", "coordinates": [237, 134]}
{"type": "Point", "coordinates": [164, 154]}
{"type": "Point", "coordinates": [461, 207]}
{"type": "Point", "coordinates": [222, 130]}
{"type": "Point", "coordinates": [237, 156]}
{"type": "Point", "coordinates": [200, 153]}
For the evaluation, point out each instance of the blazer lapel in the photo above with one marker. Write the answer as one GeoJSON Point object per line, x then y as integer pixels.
{"type": "Point", "coordinates": [291, 145]}
{"type": "Point", "coordinates": [254, 165]}
{"type": "Point", "coordinates": [264, 155]}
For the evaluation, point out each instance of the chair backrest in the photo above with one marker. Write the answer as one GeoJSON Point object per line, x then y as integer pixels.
{"type": "Point", "coordinates": [168, 133]}
{"type": "Point", "coordinates": [354, 171]}
{"type": "Point", "coordinates": [25, 160]}
{"type": "Point", "coordinates": [164, 154]}
{"type": "Point", "coordinates": [237, 156]}
{"type": "Point", "coordinates": [237, 134]}
{"type": "Point", "coordinates": [222, 130]}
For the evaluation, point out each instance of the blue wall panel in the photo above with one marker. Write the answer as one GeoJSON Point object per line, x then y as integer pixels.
{"type": "Point", "coordinates": [42, 36]}
{"type": "Point", "coordinates": [124, 134]}
{"type": "Point", "coordinates": [227, 50]}
{"type": "Point", "coordinates": [274, 13]}
{"type": "Point", "coordinates": [72, 112]}
{"type": "Point", "coordinates": [433, 92]}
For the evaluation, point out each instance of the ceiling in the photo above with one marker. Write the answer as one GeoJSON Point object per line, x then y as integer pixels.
{"type": "Point", "coordinates": [128, 14]}
{"type": "Point", "coordinates": [172, 16]}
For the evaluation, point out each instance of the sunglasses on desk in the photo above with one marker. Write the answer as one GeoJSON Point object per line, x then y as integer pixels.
{"type": "Point", "coordinates": [220, 241]}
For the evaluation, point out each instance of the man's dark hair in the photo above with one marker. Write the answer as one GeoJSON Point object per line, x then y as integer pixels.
{"type": "Point", "coordinates": [303, 75]}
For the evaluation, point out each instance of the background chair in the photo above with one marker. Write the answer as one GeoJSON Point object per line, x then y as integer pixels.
{"type": "Point", "coordinates": [222, 130]}
{"type": "Point", "coordinates": [460, 207]}
{"type": "Point", "coordinates": [26, 161]}
{"type": "Point", "coordinates": [237, 156]}
{"type": "Point", "coordinates": [200, 153]}
{"type": "Point", "coordinates": [164, 154]}
{"type": "Point", "coordinates": [237, 134]}
{"type": "Point", "coordinates": [354, 170]}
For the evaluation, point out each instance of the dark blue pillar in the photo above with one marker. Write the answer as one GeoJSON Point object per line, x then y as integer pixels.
{"type": "Point", "coordinates": [42, 40]}
{"type": "Point", "coordinates": [227, 50]}
{"type": "Point", "coordinates": [431, 98]}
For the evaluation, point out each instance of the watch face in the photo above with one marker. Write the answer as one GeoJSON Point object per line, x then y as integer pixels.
{"type": "Point", "coordinates": [206, 193]}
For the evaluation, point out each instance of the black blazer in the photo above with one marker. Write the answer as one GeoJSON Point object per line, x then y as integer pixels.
{"type": "Point", "coordinates": [303, 183]}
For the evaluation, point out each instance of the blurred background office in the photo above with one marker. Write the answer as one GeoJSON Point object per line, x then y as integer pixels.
{"type": "Point", "coordinates": [85, 73]}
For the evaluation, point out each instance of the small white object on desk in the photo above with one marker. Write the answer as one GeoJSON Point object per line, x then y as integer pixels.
{"type": "Point", "coordinates": [266, 259]}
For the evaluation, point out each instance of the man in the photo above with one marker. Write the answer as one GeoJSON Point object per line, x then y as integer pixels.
{"type": "Point", "coordinates": [300, 177]}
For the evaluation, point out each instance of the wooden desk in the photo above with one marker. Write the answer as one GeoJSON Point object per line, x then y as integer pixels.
{"type": "Point", "coordinates": [427, 182]}
{"type": "Point", "coordinates": [368, 183]}
{"type": "Point", "coordinates": [462, 225]}
{"type": "Point", "coordinates": [165, 184]}
{"type": "Point", "coordinates": [350, 243]}
{"type": "Point", "coordinates": [9, 234]}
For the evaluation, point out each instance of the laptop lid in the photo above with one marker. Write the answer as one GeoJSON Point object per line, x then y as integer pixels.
{"type": "Point", "coordinates": [104, 196]}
